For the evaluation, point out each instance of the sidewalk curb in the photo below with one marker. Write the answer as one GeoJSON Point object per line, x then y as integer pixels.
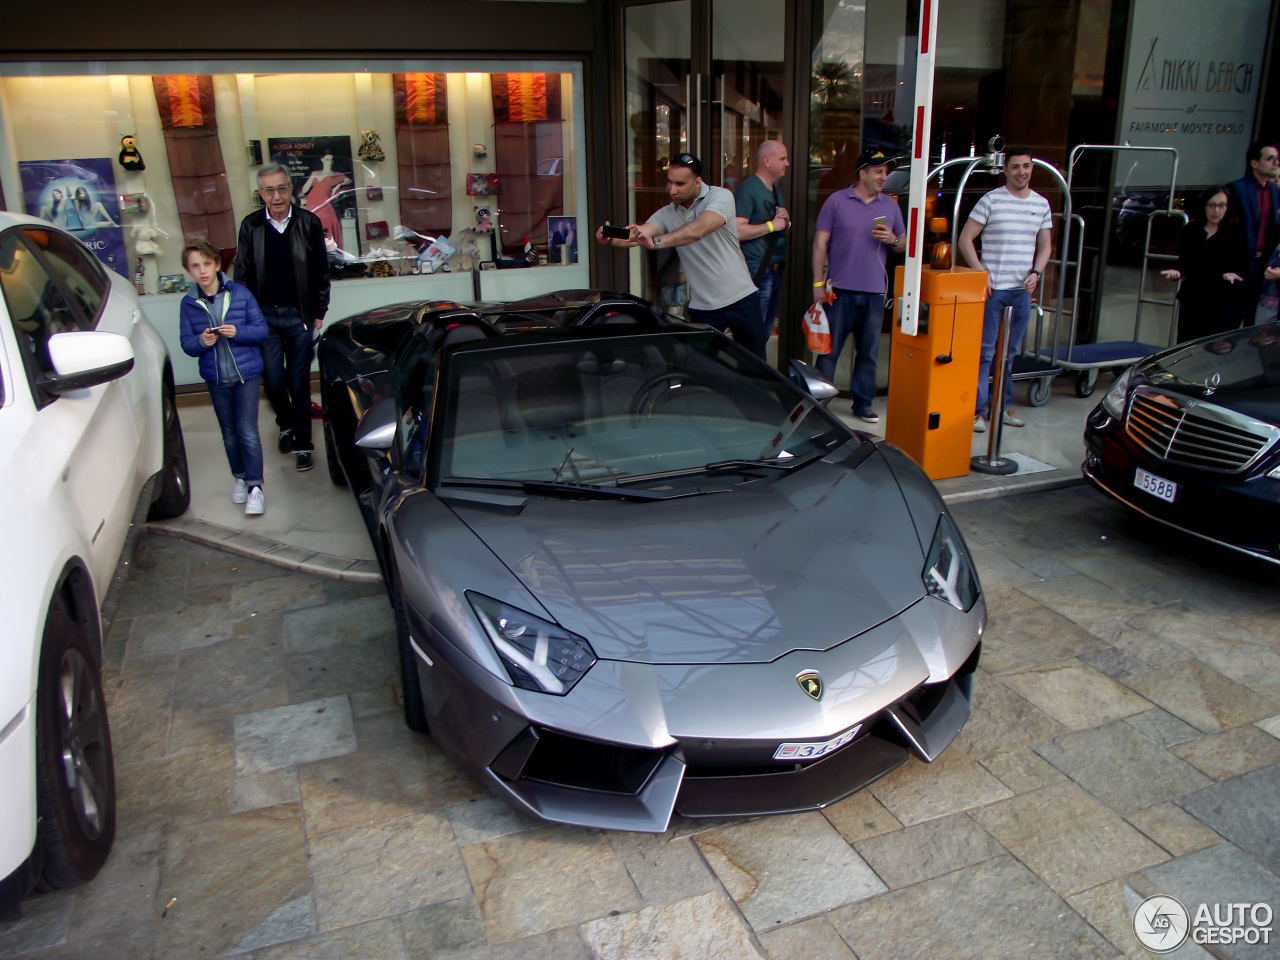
{"type": "Point", "coordinates": [270, 551]}
{"type": "Point", "coordinates": [1009, 489]}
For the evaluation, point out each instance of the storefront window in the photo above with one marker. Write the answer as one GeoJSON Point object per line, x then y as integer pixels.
{"type": "Point", "coordinates": [419, 175]}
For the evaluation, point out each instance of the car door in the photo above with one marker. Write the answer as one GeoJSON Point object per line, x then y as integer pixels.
{"type": "Point", "coordinates": [93, 427]}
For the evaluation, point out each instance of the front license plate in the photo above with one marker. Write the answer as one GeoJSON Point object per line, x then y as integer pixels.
{"type": "Point", "coordinates": [1156, 486]}
{"type": "Point", "coordinates": [793, 752]}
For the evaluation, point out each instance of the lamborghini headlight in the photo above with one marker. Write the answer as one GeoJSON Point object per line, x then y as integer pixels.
{"type": "Point", "coordinates": [538, 655]}
{"type": "Point", "coordinates": [948, 572]}
{"type": "Point", "coordinates": [1113, 402]}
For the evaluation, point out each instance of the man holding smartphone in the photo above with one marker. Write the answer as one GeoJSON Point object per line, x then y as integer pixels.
{"type": "Point", "coordinates": [855, 231]}
{"type": "Point", "coordinates": [701, 222]}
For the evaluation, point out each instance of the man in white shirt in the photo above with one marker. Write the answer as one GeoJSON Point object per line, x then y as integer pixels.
{"type": "Point", "coordinates": [1016, 226]}
{"type": "Point", "coordinates": [701, 222]}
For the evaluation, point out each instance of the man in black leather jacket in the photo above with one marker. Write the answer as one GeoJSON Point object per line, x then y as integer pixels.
{"type": "Point", "coordinates": [281, 258]}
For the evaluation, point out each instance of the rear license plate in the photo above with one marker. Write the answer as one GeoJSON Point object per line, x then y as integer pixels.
{"type": "Point", "coordinates": [793, 752]}
{"type": "Point", "coordinates": [1166, 490]}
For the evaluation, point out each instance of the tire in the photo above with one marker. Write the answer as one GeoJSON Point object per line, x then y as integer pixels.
{"type": "Point", "coordinates": [175, 486]}
{"type": "Point", "coordinates": [75, 775]}
{"type": "Point", "coordinates": [1086, 382]}
{"type": "Point", "coordinates": [331, 459]}
{"type": "Point", "coordinates": [415, 713]}
{"type": "Point", "coordinates": [1039, 391]}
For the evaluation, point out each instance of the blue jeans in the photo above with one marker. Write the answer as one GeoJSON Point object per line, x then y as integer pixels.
{"type": "Point", "coordinates": [742, 319]}
{"type": "Point", "coordinates": [860, 314]}
{"type": "Point", "coordinates": [770, 287]}
{"type": "Point", "coordinates": [236, 405]}
{"type": "Point", "coordinates": [1020, 300]}
{"type": "Point", "coordinates": [286, 371]}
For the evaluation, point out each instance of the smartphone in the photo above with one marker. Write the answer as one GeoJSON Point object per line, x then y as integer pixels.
{"type": "Point", "coordinates": [879, 222]}
{"type": "Point", "coordinates": [615, 233]}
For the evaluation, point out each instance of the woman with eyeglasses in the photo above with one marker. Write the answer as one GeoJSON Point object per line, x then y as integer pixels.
{"type": "Point", "coordinates": [1211, 266]}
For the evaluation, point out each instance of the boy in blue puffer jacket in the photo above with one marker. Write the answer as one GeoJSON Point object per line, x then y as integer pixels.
{"type": "Point", "coordinates": [223, 326]}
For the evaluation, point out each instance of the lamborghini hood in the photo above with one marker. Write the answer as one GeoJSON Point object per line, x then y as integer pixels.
{"type": "Point", "coordinates": [799, 561]}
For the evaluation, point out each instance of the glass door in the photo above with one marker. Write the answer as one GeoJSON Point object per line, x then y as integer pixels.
{"type": "Point", "coordinates": [748, 49]}
{"type": "Point", "coordinates": [704, 76]}
{"type": "Point", "coordinates": [658, 45]}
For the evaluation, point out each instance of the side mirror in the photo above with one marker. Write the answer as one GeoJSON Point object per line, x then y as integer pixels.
{"type": "Point", "coordinates": [84, 359]}
{"type": "Point", "coordinates": [377, 427]}
{"type": "Point", "coordinates": [812, 382]}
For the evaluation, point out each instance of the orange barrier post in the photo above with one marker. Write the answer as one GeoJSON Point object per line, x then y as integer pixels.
{"type": "Point", "coordinates": [933, 375]}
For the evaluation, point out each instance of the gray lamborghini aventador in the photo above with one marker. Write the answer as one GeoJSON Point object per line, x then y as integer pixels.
{"type": "Point", "coordinates": [636, 571]}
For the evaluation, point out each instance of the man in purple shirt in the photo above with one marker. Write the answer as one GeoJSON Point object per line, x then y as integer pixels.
{"type": "Point", "coordinates": [857, 227]}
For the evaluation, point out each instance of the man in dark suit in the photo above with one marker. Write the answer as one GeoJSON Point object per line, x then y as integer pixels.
{"type": "Point", "coordinates": [281, 258]}
{"type": "Point", "coordinates": [1256, 201]}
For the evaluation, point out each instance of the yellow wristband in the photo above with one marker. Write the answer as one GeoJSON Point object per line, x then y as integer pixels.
{"type": "Point", "coordinates": [821, 283]}
{"type": "Point", "coordinates": [770, 223]}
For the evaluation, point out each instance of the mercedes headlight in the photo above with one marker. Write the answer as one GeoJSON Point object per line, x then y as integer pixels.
{"type": "Point", "coordinates": [948, 572]}
{"type": "Point", "coordinates": [1113, 402]}
{"type": "Point", "coordinates": [538, 655]}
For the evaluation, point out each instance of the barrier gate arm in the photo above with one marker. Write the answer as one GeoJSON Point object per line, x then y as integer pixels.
{"type": "Point", "coordinates": [909, 308]}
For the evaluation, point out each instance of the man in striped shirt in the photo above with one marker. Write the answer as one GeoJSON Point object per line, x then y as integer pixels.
{"type": "Point", "coordinates": [1016, 226]}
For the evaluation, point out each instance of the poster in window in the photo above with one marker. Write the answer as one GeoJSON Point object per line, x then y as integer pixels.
{"type": "Point", "coordinates": [321, 170]}
{"type": "Point", "coordinates": [562, 240]}
{"type": "Point", "coordinates": [79, 196]}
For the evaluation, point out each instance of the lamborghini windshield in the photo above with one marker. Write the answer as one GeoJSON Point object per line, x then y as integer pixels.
{"type": "Point", "coordinates": [616, 410]}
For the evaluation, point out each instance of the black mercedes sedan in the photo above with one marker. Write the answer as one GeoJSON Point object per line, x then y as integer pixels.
{"type": "Point", "coordinates": [1188, 437]}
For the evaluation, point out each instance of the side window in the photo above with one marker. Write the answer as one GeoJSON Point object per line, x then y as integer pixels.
{"type": "Point", "coordinates": [415, 380]}
{"type": "Point", "coordinates": [77, 271]}
{"type": "Point", "coordinates": [37, 307]}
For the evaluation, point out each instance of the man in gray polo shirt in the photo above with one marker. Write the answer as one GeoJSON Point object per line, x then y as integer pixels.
{"type": "Point", "coordinates": [701, 222]}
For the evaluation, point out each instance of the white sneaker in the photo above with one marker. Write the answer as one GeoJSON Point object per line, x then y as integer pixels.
{"type": "Point", "coordinates": [1011, 421]}
{"type": "Point", "coordinates": [239, 492]}
{"type": "Point", "coordinates": [255, 506]}
{"type": "Point", "coordinates": [979, 425]}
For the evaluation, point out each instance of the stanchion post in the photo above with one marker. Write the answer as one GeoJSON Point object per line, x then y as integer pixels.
{"type": "Point", "coordinates": [992, 462]}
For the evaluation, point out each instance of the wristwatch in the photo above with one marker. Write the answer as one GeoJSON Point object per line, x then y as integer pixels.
{"type": "Point", "coordinates": [1037, 273]}
{"type": "Point", "coordinates": [657, 240]}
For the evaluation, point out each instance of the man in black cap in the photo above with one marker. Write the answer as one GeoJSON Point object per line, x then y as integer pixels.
{"type": "Point", "coordinates": [857, 228]}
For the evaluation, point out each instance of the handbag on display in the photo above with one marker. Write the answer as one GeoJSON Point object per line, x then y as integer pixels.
{"type": "Point", "coordinates": [817, 331]}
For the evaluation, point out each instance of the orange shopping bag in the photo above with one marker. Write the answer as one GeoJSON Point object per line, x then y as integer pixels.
{"type": "Point", "coordinates": [817, 331]}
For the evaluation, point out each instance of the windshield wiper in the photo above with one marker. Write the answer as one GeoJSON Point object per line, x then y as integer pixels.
{"type": "Point", "coordinates": [726, 466]}
{"type": "Point", "coordinates": [789, 464]}
{"type": "Point", "coordinates": [558, 487]}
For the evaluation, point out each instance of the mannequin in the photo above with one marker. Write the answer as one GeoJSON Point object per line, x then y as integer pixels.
{"type": "Point", "coordinates": [317, 195]}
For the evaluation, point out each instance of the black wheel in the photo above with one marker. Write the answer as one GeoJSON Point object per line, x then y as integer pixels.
{"type": "Point", "coordinates": [1086, 382]}
{"type": "Point", "coordinates": [175, 488]}
{"type": "Point", "coordinates": [415, 713]}
{"type": "Point", "coordinates": [1039, 391]}
{"type": "Point", "coordinates": [75, 775]}
{"type": "Point", "coordinates": [331, 455]}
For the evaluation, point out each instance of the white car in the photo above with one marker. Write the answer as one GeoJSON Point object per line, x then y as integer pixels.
{"type": "Point", "coordinates": [87, 419]}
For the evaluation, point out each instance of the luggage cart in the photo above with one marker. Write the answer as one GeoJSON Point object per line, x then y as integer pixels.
{"type": "Point", "coordinates": [1086, 360]}
{"type": "Point", "coordinates": [1030, 364]}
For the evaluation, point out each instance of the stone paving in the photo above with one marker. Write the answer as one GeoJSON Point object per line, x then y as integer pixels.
{"type": "Point", "coordinates": [1125, 741]}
